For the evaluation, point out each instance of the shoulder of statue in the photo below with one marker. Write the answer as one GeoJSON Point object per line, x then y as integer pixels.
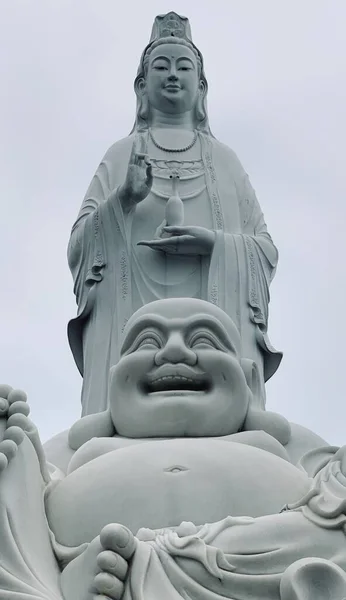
{"type": "Point", "coordinates": [303, 441]}
{"type": "Point", "coordinates": [120, 148]}
{"type": "Point", "coordinates": [224, 153]}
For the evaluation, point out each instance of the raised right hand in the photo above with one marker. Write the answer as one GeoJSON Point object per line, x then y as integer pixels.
{"type": "Point", "coordinates": [139, 177]}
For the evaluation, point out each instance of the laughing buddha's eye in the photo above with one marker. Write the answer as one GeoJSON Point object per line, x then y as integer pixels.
{"type": "Point", "coordinates": [147, 341]}
{"type": "Point", "coordinates": [203, 340]}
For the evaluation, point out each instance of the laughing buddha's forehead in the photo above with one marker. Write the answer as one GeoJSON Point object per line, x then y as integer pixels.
{"type": "Point", "coordinates": [182, 314]}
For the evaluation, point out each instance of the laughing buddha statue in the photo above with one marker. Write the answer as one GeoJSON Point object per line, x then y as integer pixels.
{"type": "Point", "coordinates": [183, 488]}
{"type": "Point", "coordinates": [169, 213]}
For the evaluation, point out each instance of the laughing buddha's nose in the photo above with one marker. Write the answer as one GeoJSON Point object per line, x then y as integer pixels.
{"type": "Point", "coordinates": [175, 351]}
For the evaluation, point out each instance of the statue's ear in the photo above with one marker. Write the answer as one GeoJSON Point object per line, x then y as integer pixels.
{"type": "Point", "coordinates": [202, 87]}
{"type": "Point", "coordinates": [253, 381]}
{"type": "Point", "coordinates": [257, 417]}
{"type": "Point", "coordinates": [139, 85]}
{"type": "Point", "coordinates": [142, 99]}
{"type": "Point", "coordinates": [96, 425]}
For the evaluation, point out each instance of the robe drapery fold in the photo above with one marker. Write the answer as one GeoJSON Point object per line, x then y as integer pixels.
{"type": "Point", "coordinates": [28, 567]}
{"type": "Point", "coordinates": [239, 558]}
{"type": "Point", "coordinates": [253, 559]}
{"type": "Point", "coordinates": [193, 568]}
{"type": "Point", "coordinates": [110, 284]}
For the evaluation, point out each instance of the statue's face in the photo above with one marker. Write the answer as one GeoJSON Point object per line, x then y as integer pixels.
{"type": "Point", "coordinates": [172, 78]}
{"type": "Point", "coordinates": [179, 373]}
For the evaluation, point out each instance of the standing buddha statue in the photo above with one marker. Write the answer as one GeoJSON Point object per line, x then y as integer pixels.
{"type": "Point", "coordinates": [169, 213]}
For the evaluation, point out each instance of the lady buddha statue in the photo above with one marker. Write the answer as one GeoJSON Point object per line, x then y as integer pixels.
{"type": "Point", "coordinates": [169, 213]}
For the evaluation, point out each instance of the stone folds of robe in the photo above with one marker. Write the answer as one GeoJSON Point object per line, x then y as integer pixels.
{"type": "Point", "coordinates": [110, 286]}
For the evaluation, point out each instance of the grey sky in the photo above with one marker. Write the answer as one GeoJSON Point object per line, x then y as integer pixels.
{"type": "Point", "coordinates": [276, 73]}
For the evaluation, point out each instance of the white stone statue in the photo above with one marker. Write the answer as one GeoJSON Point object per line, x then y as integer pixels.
{"type": "Point", "coordinates": [169, 213]}
{"type": "Point", "coordinates": [184, 488]}
{"type": "Point", "coordinates": [176, 483]}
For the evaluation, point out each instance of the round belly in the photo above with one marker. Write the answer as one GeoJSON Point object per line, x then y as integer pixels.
{"type": "Point", "coordinates": [160, 484]}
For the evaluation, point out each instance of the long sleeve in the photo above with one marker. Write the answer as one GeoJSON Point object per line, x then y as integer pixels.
{"type": "Point", "coordinates": [253, 223]}
{"type": "Point", "coordinates": [100, 262]}
{"type": "Point", "coordinates": [86, 249]}
{"type": "Point", "coordinates": [243, 263]}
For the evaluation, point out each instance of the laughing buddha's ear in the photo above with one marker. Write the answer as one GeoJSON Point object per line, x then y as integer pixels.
{"type": "Point", "coordinates": [257, 418]}
{"type": "Point", "coordinates": [97, 425]}
{"type": "Point", "coordinates": [252, 377]}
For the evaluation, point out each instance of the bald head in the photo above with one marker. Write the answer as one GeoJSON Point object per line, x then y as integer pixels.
{"type": "Point", "coordinates": [179, 373]}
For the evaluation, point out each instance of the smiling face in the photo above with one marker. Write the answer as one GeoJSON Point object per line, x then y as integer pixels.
{"type": "Point", "coordinates": [172, 78]}
{"type": "Point", "coordinates": [179, 373]}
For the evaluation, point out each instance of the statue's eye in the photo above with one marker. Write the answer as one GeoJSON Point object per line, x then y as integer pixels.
{"type": "Point", "coordinates": [160, 67]}
{"type": "Point", "coordinates": [148, 341]}
{"type": "Point", "coordinates": [204, 340]}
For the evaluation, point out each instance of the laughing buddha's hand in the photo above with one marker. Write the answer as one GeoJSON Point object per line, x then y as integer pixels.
{"type": "Point", "coordinates": [13, 407]}
{"type": "Point", "coordinates": [15, 425]}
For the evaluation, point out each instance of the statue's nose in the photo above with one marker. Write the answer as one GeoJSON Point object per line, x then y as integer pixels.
{"type": "Point", "coordinates": [173, 74]}
{"type": "Point", "coordinates": [175, 351]}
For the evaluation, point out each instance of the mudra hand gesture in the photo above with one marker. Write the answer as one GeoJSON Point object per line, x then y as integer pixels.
{"type": "Point", "coordinates": [187, 240]}
{"type": "Point", "coordinates": [139, 177]}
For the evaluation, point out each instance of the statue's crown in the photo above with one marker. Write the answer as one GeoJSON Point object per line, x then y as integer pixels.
{"type": "Point", "coordinates": [171, 24]}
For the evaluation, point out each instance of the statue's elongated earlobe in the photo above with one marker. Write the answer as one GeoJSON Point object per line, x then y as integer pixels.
{"type": "Point", "coordinates": [143, 112]}
{"type": "Point", "coordinates": [200, 108]}
{"type": "Point", "coordinates": [143, 109]}
{"type": "Point", "coordinates": [95, 425]}
{"type": "Point", "coordinates": [253, 381]}
{"type": "Point", "coordinates": [257, 418]}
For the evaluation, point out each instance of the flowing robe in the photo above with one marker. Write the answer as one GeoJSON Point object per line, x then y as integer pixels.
{"type": "Point", "coordinates": [239, 558]}
{"type": "Point", "coordinates": [110, 283]}
{"type": "Point", "coordinates": [299, 554]}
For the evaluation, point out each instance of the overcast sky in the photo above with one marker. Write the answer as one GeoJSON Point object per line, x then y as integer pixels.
{"type": "Point", "coordinates": [276, 73]}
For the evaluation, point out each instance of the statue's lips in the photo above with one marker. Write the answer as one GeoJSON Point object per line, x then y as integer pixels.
{"type": "Point", "coordinates": [171, 379]}
{"type": "Point", "coordinates": [172, 88]}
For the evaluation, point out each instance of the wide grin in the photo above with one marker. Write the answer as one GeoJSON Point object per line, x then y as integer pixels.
{"type": "Point", "coordinates": [171, 383]}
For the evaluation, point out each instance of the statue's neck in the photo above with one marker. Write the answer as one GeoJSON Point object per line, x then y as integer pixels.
{"type": "Point", "coordinates": [171, 121]}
